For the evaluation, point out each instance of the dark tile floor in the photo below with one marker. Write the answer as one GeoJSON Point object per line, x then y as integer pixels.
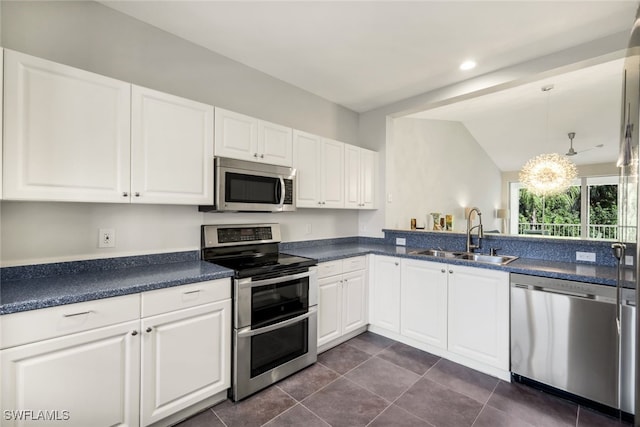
{"type": "Point", "coordinates": [377, 382]}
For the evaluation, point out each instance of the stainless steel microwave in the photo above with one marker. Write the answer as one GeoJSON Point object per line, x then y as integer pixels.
{"type": "Point", "coordinates": [243, 186]}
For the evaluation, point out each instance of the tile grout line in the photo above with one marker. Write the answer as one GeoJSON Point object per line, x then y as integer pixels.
{"type": "Point", "coordinates": [484, 405]}
{"type": "Point", "coordinates": [462, 392]}
{"type": "Point", "coordinates": [218, 416]}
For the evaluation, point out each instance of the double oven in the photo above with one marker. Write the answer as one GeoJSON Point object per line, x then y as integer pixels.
{"type": "Point", "coordinates": [275, 300]}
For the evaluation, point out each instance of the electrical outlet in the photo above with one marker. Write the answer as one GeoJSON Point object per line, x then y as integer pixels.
{"type": "Point", "coordinates": [309, 229]}
{"type": "Point", "coordinates": [628, 260]}
{"type": "Point", "coordinates": [401, 241]}
{"type": "Point", "coordinates": [586, 256]}
{"type": "Point", "coordinates": [106, 238]}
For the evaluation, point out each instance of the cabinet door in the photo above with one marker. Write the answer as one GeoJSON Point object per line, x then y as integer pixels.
{"type": "Point", "coordinates": [1, 131]}
{"type": "Point", "coordinates": [368, 164]}
{"type": "Point", "coordinates": [479, 315]}
{"type": "Point", "coordinates": [236, 135]}
{"type": "Point", "coordinates": [354, 301]}
{"type": "Point", "coordinates": [306, 152]}
{"type": "Point", "coordinates": [352, 176]}
{"type": "Point", "coordinates": [94, 376]}
{"type": "Point", "coordinates": [171, 149]}
{"type": "Point", "coordinates": [185, 358]}
{"type": "Point", "coordinates": [329, 309]}
{"type": "Point", "coordinates": [275, 144]}
{"type": "Point", "coordinates": [332, 173]}
{"type": "Point", "coordinates": [385, 293]}
{"type": "Point", "coordinates": [67, 133]}
{"type": "Point", "coordinates": [423, 302]}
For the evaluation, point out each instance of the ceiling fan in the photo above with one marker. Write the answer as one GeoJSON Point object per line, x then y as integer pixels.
{"type": "Point", "coordinates": [573, 152]}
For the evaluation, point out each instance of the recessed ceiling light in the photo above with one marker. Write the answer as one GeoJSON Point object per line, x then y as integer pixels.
{"type": "Point", "coordinates": [468, 65]}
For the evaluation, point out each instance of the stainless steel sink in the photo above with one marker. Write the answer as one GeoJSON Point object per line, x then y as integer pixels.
{"type": "Point", "coordinates": [437, 252]}
{"type": "Point", "coordinates": [469, 256]}
{"type": "Point", "coordinates": [491, 259]}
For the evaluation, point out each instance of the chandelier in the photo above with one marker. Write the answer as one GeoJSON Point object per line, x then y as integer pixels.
{"type": "Point", "coordinates": [548, 174]}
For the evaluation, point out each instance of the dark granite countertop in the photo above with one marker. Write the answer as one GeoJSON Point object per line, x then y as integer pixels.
{"type": "Point", "coordinates": [41, 292]}
{"type": "Point", "coordinates": [590, 273]}
{"type": "Point", "coordinates": [42, 286]}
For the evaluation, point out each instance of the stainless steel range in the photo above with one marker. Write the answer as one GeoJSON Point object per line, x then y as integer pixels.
{"type": "Point", "coordinates": [275, 304]}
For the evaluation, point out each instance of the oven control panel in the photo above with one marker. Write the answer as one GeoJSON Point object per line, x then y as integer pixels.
{"type": "Point", "coordinates": [229, 235]}
{"type": "Point", "coordinates": [226, 235]}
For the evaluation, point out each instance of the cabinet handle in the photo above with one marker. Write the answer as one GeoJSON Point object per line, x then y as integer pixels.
{"type": "Point", "coordinates": [443, 271]}
{"type": "Point", "coordinates": [137, 194]}
{"type": "Point", "coordinates": [134, 333]}
{"type": "Point", "coordinates": [149, 329]}
{"type": "Point", "coordinates": [262, 156]}
{"type": "Point", "coordinates": [450, 271]}
{"type": "Point", "coordinates": [125, 194]}
{"type": "Point", "coordinates": [192, 292]}
{"type": "Point", "coordinates": [255, 155]}
{"type": "Point", "coordinates": [78, 314]}
{"type": "Point", "coordinates": [396, 263]}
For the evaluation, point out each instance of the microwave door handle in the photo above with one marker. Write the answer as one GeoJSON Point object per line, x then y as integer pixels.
{"type": "Point", "coordinates": [282, 195]}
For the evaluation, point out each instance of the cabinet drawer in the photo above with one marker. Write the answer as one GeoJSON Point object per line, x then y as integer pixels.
{"type": "Point", "coordinates": [354, 263]}
{"type": "Point", "coordinates": [176, 298]}
{"type": "Point", "coordinates": [331, 268]}
{"type": "Point", "coordinates": [37, 325]}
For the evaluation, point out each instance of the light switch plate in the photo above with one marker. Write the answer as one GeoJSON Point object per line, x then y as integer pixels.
{"type": "Point", "coordinates": [401, 241]}
{"type": "Point", "coordinates": [586, 256]}
{"type": "Point", "coordinates": [628, 260]}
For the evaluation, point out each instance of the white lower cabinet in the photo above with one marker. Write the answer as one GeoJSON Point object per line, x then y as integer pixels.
{"type": "Point", "coordinates": [479, 315]}
{"type": "Point", "coordinates": [185, 358]}
{"type": "Point", "coordinates": [458, 312]}
{"type": "Point", "coordinates": [423, 301]}
{"type": "Point", "coordinates": [97, 363]}
{"type": "Point", "coordinates": [385, 293]}
{"type": "Point", "coordinates": [89, 378]}
{"type": "Point", "coordinates": [342, 300]}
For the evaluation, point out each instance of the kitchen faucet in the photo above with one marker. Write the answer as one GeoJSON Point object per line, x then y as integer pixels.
{"type": "Point", "coordinates": [471, 247]}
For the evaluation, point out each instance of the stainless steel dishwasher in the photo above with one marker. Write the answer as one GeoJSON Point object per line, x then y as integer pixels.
{"type": "Point", "coordinates": [564, 334]}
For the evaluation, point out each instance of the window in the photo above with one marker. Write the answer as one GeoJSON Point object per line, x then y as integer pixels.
{"type": "Point", "coordinates": [587, 209]}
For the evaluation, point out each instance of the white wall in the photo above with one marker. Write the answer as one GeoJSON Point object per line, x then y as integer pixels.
{"type": "Point", "coordinates": [93, 37]}
{"type": "Point", "coordinates": [38, 232]}
{"type": "Point", "coordinates": [439, 167]}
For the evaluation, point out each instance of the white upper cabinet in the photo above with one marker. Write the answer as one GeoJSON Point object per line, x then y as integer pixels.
{"type": "Point", "coordinates": [171, 149]}
{"type": "Point", "coordinates": [320, 171]}
{"type": "Point", "coordinates": [236, 135]}
{"type": "Point", "coordinates": [359, 177]}
{"type": "Point", "coordinates": [1, 132]}
{"type": "Point", "coordinates": [246, 138]}
{"type": "Point", "coordinates": [67, 132]}
{"type": "Point", "coordinates": [275, 143]}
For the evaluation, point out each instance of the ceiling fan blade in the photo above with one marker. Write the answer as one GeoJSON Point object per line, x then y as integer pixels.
{"type": "Point", "coordinates": [592, 148]}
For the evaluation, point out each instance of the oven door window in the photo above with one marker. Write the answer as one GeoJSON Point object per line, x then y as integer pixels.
{"type": "Point", "coordinates": [274, 348]}
{"type": "Point", "coordinates": [278, 302]}
{"type": "Point", "coordinates": [242, 188]}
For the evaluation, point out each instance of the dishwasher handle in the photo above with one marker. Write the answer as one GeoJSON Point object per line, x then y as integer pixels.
{"type": "Point", "coordinates": [537, 288]}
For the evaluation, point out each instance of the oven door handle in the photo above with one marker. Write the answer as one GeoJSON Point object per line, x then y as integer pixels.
{"type": "Point", "coordinates": [248, 283]}
{"type": "Point", "coordinates": [248, 332]}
